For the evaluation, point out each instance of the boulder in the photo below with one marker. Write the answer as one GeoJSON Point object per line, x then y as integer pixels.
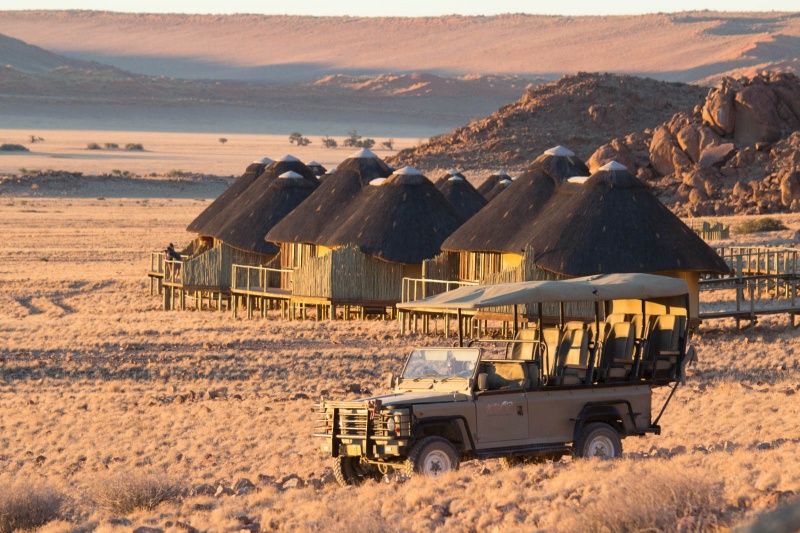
{"type": "Point", "coordinates": [719, 112]}
{"type": "Point", "coordinates": [757, 116]}
{"type": "Point", "coordinates": [790, 188]}
{"type": "Point", "coordinates": [616, 150]}
{"type": "Point", "coordinates": [788, 92]}
{"type": "Point", "coordinates": [665, 154]}
{"type": "Point", "coordinates": [716, 155]}
{"type": "Point", "coordinates": [742, 190]}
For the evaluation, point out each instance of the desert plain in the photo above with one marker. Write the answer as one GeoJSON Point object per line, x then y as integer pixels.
{"type": "Point", "coordinates": [103, 392]}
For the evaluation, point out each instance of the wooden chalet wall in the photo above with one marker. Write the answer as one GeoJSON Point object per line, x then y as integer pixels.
{"type": "Point", "coordinates": [444, 266]}
{"type": "Point", "coordinates": [213, 268]}
{"type": "Point", "coordinates": [347, 274]}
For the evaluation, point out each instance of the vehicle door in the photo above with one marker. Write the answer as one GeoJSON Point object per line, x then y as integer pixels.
{"type": "Point", "coordinates": [502, 409]}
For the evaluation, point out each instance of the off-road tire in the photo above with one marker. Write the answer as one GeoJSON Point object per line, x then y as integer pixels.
{"type": "Point", "coordinates": [432, 457]}
{"type": "Point", "coordinates": [349, 471]}
{"type": "Point", "coordinates": [598, 440]}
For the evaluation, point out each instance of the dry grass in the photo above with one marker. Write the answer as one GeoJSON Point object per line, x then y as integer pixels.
{"type": "Point", "coordinates": [26, 505]}
{"type": "Point", "coordinates": [126, 492]}
{"type": "Point", "coordinates": [95, 379]}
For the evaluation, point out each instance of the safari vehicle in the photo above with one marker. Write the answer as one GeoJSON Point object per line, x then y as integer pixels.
{"type": "Point", "coordinates": [575, 387]}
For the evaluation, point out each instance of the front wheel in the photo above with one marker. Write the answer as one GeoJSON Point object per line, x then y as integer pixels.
{"type": "Point", "coordinates": [598, 440]}
{"type": "Point", "coordinates": [353, 471]}
{"type": "Point", "coordinates": [432, 457]}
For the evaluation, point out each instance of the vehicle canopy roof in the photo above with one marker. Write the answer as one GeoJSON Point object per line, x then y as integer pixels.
{"type": "Point", "coordinates": [599, 288]}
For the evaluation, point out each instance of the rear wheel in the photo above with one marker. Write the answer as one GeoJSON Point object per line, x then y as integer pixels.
{"type": "Point", "coordinates": [598, 440]}
{"type": "Point", "coordinates": [432, 457]}
{"type": "Point", "coordinates": [353, 471]}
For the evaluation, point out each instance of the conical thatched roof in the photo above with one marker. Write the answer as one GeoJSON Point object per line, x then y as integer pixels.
{"type": "Point", "coordinates": [453, 172]}
{"type": "Point", "coordinates": [316, 168]}
{"type": "Point", "coordinates": [253, 171]}
{"type": "Point", "coordinates": [461, 195]}
{"type": "Point", "coordinates": [499, 187]}
{"type": "Point", "coordinates": [246, 227]}
{"type": "Point", "coordinates": [256, 192]}
{"type": "Point", "coordinates": [504, 224]}
{"type": "Point", "coordinates": [491, 181]}
{"type": "Point", "coordinates": [404, 219]}
{"type": "Point", "coordinates": [323, 211]}
{"type": "Point", "coordinates": [614, 224]}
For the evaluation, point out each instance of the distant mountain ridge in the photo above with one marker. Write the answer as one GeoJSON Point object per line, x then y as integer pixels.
{"type": "Point", "coordinates": [700, 46]}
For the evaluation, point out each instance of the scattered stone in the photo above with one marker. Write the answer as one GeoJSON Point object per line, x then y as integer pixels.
{"type": "Point", "coordinates": [180, 398]}
{"type": "Point", "coordinates": [244, 519]}
{"type": "Point", "coordinates": [243, 486]}
{"type": "Point", "coordinates": [292, 481]}
{"type": "Point", "coordinates": [265, 479]}
{"type": "Point", "coordinates": [677, 450]}
{"type": "Point", "coordinates": [716, 155]}
{"type": "Point", "coordinates": [223, 491]}
{"type": "Point", "coordinates": [788, 392]}
{"type": "Point", "coordinates": [299, 396]}
{"type": "Point", "coordinates": [764, 446]}
{"type": "Point", "coordinates": [699, 448]}
{"type": "Point", "coordinates": [203, 507]}
{"type": "Point", "coordinates": [186, 527]}
{"type": "Point", "coordinates": [120, 521]}
{"type": "Point", "coordinates": [353, 387]}
{"type": "Point", "coordinates": [145, 529]}
{"type": "Point", "coordinates": [40, 459]}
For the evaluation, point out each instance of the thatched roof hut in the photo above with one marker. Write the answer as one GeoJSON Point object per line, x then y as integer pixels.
{"type": "Point", "coordinates": [253, 171]}
{"type": "Point", "coordinates": [499, 187]}
{"type": "Point", "coordinates": [503, 225]}
{"type": "Point", "coordinates": [612, 224]}
{"type": "Point", "coordinates": [447, 175]}
{"type": "Point", "coordinates": [316, 168]}
{"type": "Point", "coordinates": [490, 182]}
{"type": "Point", "coordinates": [246, 228]}
{"type": "Point", "coordinates": [403, 219]}
{"type": "Point", "coordinates": [323, 211]}
{"type": "Point", "coordinates": [461, 194]}
{"type": "Point", "coordinates": [257, 195]}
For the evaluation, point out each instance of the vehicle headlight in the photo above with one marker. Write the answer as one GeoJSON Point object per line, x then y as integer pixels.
{"type": "Point", "coordinates": [391, 425]}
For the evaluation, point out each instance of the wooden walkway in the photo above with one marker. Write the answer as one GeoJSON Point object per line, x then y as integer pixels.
{"type": "Point", "coordinates": [756, 271]}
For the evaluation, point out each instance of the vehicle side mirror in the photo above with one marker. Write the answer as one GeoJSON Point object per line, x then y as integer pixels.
{"type": "Point", "coordinates": [390, 380]}
{"type": "Point", "coordinates": [483, 379]}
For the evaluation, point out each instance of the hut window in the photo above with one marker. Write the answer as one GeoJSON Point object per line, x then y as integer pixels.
{"type": "Point", "coordinates": [477, 265]}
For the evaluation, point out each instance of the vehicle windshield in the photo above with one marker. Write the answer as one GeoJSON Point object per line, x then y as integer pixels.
{"type": "Point", "coordinates": [441, 363]}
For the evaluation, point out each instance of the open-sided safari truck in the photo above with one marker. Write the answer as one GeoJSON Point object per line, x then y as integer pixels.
{"type": "Point", "coordinates": [571, 387]}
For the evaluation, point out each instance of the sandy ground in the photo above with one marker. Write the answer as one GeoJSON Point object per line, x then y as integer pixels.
{"type": "Point", "coordinates": [187, 152]}
{"type": "Point", "coordinates": [685, 46]}
{"type": "Point", "coordinates": [97, 385]}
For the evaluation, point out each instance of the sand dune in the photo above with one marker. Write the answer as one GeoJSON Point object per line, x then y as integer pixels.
{"type": "Point", "coordinates": [680, 47]}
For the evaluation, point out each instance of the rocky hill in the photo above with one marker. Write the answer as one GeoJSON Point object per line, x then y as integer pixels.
{"type": "Point", "coordinates": [732, 149]}
{"type": "Point", "coordinates": [581, 111]}
{"type": "Point", "coordinates": [738, 152]}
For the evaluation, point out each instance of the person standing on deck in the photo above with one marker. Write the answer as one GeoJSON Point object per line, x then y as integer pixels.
{"type": "Point", "coordinates": [172, 255]}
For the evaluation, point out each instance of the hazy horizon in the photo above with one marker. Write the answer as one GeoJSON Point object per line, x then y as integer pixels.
{"type": "Point", "coordinates": [411, 8]}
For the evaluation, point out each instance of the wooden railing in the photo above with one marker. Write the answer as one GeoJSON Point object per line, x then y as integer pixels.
{"type": "Point", "coordinates": [759, 260]}
{"type": "Point", "coordinates": [157, 261]}
{"type": "Point", "coordinates": [173, 271]}
{"type": "Point", "coordinates": [259, 279]}
{"type": "Point", "coordinates": [416, 288]}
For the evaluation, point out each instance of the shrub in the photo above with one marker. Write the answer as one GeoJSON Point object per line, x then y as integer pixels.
{"type": "Point", "coordinates": [175, 173]}
{"type": "Point", "coordinates": [759, 225]}
{"type": "Point", "coordinates": [223, 140]}
{"type": "Point", "coordinates": [366, 143]}
{"type": "Point", "coordinates": [127, 492]}
{"type": "Point", "coordinates": [112, 146]}
{"type": "Point", "coordinates": [25, 506]}
{"type": "Point", "coordinates": [298, 139]}
{"type": "Point", "coordinates": [389, 145]}
{"type": "Point", "coordinates": [92, 146]}
{"type": "Point", "coordinates": [327, 142]}
{"type": "Point", "coordinates": [13, 148]}
{"type": "Point", "coordinates": [134, 146]}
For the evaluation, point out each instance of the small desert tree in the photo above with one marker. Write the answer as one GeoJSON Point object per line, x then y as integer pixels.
{"type": "Point", "coordinates": [389, 145]}
{"type": "Point", "coordinates": [327, 142]}
{"type": "Point", "coordinates": [366, 143]}
{"type": "Point", "coordinates": [353, 138]}
{"type": "Point", "coordinates": [298, 139]}
{"type": "Point", "coordinates": [223, 140]}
